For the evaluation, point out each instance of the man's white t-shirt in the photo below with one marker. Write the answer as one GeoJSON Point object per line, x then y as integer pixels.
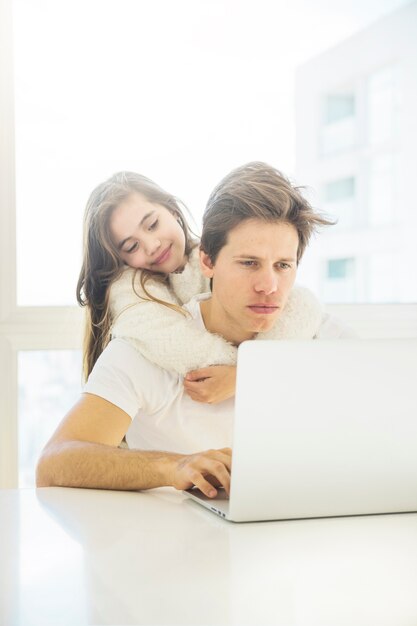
{"type": "Point", "coordinates": [163, 416]}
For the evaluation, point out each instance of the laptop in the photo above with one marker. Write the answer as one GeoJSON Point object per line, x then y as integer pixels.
{"type": "Point", "coordinates": [322, 428]}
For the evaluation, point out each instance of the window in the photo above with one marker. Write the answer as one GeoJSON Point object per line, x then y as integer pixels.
{"type": "Point", "coordinates": [339, 190]}
{"type": "Point", "coordinates": [340, 269]}
{"type": "Point", "coordinates": [356, 124]}
{"type": "Point", "coordinates": [381, 199]}
{"type": "Point", "coordinates": [338, 130]}
{"type": "Point", "coordinates": [382, 268]}
{"type": "Point", "coordinates": [339, 107]}
{"type": "Point", "coordinates": [49, 384]}
{"type": "Point", "coordinates": [339, 202]}
{"type": "Point", "coordinates": [381, 105]}
{"type": "Point", "coordinates": [89, 87]}
{"type": "Point", "coordinates": [339, 284]}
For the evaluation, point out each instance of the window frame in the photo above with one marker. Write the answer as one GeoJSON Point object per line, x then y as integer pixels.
{"type": "Point", "coordinates": [60, 328]}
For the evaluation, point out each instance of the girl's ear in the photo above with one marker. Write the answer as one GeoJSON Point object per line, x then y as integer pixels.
{"type": "Point", "coordinates": [206, 266]}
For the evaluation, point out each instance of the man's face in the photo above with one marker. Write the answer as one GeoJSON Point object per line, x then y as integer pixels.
{"type": "Point", "coordinates": [252, 277]}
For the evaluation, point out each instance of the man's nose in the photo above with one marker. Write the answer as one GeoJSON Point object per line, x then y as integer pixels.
{"type": "Point", "coordinates": [266, 281]}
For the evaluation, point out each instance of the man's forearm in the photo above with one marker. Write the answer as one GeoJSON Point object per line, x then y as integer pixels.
{"type": "Point", "coordinates": [98, 466]}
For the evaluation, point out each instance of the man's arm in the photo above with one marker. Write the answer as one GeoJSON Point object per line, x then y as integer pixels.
{"type": "Point", "coordinates": [84, 452]}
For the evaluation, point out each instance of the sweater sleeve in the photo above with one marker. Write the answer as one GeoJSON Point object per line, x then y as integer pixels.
{"type": "Point", "coordinates": [164, 336]}
{"type": "Point", "coordinates": [190, 282]}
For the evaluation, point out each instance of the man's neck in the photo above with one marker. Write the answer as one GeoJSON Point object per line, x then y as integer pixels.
{"type": "Point", "coordinates": [217, 322]}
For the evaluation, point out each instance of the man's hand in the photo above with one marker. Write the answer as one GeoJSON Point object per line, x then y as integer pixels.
{"type": "Point", "coordinates": [205, 470]}
{"type": "Point", "coordinates": [211, 384]}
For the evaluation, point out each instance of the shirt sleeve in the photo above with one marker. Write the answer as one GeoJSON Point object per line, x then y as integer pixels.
{"type": "Point", "coordinates": [125, 378]}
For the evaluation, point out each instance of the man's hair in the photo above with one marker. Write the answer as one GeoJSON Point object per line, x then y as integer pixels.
{"type": "Point", "coordinates": [256, 191]}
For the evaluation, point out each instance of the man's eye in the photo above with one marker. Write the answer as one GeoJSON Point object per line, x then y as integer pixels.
{"type": "Point", "coordinates": [154, 225]}
{"type": "Point", "coordinates": [284, 266]}
{"type": "Point", "coordinates": [248, 263]}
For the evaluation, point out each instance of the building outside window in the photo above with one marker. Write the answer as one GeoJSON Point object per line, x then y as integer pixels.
{"type": "Point", "coordinates": [338, 107]}
{"type": "Point", "coordinates": [382, 93]}
{"type": "Point", "coordinates": [382, 276]}
{"type": "Point", "coordinates": [340, 189]}
{"type": "Point", "coordinates": [382, 208]}
{"type": "Point", "coordinates": [357, 130]}
{"type": "Point", "coordinates": [340, 279]}
{"type": "Point", "coordinates": [339, 129]}
{"type": "Point", "coordinates": [339, 201]}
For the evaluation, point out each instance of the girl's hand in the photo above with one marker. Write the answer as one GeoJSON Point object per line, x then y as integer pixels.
{"type": "Point", "coordinates": [211, 384]}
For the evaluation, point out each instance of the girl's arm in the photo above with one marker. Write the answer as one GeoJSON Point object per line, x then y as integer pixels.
{"type": "Point", "coordinates": [190, 282]}
{"type": "Point", "coordinates": [164, 336]}
{"type": "Point", "coordinates": [211, 384]}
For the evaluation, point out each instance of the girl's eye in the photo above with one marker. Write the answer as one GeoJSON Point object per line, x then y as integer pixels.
{"type": "Point", "coordinates": [154, 225]}
{"type": "Point", "coordinates": [132, 248]}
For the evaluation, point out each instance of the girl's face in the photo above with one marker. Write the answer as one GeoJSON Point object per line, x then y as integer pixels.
{"type": "Point", "coordinates": [147, 235]}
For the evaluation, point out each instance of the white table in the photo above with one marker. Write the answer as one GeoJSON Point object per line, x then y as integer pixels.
{"type": "Point", "coordinates": [74, 556]}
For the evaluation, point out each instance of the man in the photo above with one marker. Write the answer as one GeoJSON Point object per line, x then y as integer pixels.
{"type": "Point", "coordinates": [255, 230]}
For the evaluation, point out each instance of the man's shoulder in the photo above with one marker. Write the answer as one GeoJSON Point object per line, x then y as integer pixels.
{"type": "Point", "coordinates": [119, 348]}
{"type": "Point", "coordinates": [121, 364]}
{"type": "Point", "coordinates": [123, 376]}
{"type": "Point", "coordinates": [123, 354]}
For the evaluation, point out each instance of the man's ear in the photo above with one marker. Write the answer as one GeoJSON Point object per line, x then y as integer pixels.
{"type": "Point", "coordinates": [206, 266]}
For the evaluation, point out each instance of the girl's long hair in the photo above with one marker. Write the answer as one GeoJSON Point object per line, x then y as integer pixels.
{"type": "Point", "coordinates": [102, 265]}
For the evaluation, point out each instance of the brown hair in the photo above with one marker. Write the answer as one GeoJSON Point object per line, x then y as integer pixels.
{"type": "Point", "coordinates": [102, 264]}
{"type": "Point", "coordinates": [256, 191]}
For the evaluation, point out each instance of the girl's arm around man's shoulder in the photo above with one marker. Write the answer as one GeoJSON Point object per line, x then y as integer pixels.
{"type": "Point", "coordinates": [165, 335]}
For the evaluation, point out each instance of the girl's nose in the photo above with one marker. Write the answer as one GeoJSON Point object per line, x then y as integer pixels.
{"type": "Point", "coordinates": [151, 246]}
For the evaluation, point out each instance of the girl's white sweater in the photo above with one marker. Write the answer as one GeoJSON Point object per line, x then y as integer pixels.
{"type": "Point", "coordinates": [172, 340]}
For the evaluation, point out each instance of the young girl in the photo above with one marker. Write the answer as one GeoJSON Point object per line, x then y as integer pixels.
{"type": "Point", "coordinates": [140, 264]}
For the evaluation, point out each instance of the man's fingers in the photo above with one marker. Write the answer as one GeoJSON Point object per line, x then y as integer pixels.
{"type": "Point", "coordinates": [198, 397]}
{"type": "Point", "coordinates": [217, 470]}
{"type": "Point", "coordinates": [220, 470]}
{"type": "Point", "coordinates": [224, 456]}
{"type": "Point", "coordinates": [207, 470]}
{"type": "Point", "coordinates": [206, 487]}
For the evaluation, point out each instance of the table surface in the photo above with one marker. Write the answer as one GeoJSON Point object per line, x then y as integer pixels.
{"type": "Point", "coordinates": [74, 556]}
